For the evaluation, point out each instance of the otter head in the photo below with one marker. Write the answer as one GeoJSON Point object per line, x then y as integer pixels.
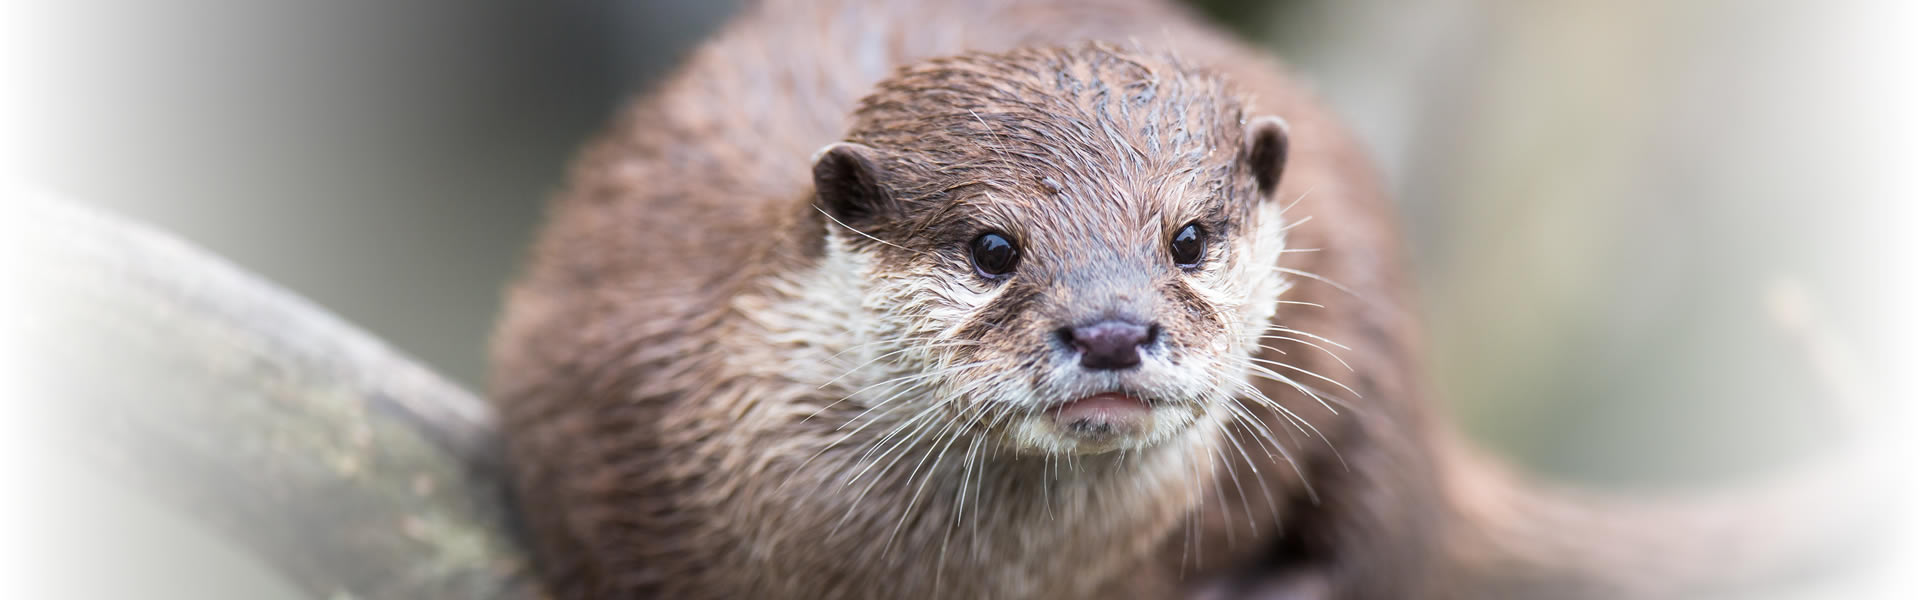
{"type": "Point", "coordinates": [1060, 250]}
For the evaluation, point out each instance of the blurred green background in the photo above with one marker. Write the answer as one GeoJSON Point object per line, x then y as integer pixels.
{"type": "Point", "coordinates": [1598, 196]}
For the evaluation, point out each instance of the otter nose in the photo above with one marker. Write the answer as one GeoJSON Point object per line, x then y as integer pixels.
{"type": "Point", "coordinates": [1109, 345]}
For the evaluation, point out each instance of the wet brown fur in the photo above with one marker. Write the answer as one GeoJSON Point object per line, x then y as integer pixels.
{"type": "Point", "coordinates": [672, 365]}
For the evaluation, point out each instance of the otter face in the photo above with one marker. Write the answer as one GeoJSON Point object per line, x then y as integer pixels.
{"type": "Point", "coordinates": [1066, 251]}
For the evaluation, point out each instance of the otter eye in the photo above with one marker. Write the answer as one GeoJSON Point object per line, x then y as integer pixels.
{"type": "Point", "coordinates": [994, 255]}
{"type": "Point", "coordinates": [1188, 245]}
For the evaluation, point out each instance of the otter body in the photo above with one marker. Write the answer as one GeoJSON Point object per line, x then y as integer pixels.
{"type": "Point", "coordinates": [1067, 299]}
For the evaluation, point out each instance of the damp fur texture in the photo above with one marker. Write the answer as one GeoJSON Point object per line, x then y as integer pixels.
{"type": "Point", "coordinates": [1089, 158]}
{"type": "Point", "coordinates": [732, 392]}
{"type": "Point", "coordinates": [720, 380]}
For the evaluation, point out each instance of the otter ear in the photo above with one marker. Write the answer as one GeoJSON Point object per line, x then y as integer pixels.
{"type": "Point", "coordinates": [1267, 152]}
{"type": "Point", "coordinates": [847, 182]}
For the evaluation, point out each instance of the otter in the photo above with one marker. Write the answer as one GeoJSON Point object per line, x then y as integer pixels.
{"type": "Point", "coordinates": [985, 299]}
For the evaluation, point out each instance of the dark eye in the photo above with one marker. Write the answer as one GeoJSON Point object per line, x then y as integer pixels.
{"type": "Point", "coordinates": [1189, 245]}
{"type": "Point", "coordinates": [994, 255]}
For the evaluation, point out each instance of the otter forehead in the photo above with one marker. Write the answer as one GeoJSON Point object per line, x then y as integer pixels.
{"type": "Point", "coordinates": [1077, 149]}
{"type": "Point", "coordinates": [1064, 107]}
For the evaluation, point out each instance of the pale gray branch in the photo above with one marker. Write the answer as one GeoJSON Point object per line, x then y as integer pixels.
{"type": "Point", "coordinates": [346, 466]}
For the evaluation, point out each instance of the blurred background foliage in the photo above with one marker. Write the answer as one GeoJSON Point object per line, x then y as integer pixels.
{"type": "Point", "coordinates": [1597, 195]}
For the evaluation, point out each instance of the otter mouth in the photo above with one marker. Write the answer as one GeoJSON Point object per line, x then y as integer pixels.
{"type": "Point", "coordinates": [1104, 415]}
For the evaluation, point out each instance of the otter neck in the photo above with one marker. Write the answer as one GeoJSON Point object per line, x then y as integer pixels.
{"type": "Point", "coordinates": [947, 518]}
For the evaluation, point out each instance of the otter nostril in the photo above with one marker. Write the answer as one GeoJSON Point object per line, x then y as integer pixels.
{"type": "Point", "coordinates": [1109, 344]}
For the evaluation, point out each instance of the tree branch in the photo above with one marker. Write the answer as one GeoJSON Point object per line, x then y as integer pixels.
{"type": "Point", "coordinates": [352, 470]}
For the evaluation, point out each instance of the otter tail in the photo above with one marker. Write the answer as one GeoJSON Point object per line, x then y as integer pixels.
{"type": "Point", "coordinates": [1520, 539]}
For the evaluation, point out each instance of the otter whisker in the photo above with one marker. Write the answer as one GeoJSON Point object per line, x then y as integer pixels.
{"type": "Point", "coordinates": [1289, 226]}
{"type": "Point", "coordinates": [1322, 396]}
{"type": "Point", "coordinates": [1245, 420]}
{"type": "Point", "coordinates": [856, 368]}
{"type": "Point", "coordinates": [966, 480]}
{"type": "Point", "coordinates": [1300, 303]}
{"type": "Point", "coordinates": [1249, 391]}
{"type": "Point", "coordinates": [868, 458]}
{"type": "Point", "coordinates": [1234, 442]}
{"type": "Point", "coordinates": [1329, 353]}
{"type": "Point", "coordinates": [830, 217]}
{"type": "Point", "coordinates": [923, 425]}
{"type": "Point", "coordinates": [960, 509]}
{"type": "Point", "coordinates": [877, 444]}
{"type": "Point", "coordinates": [1309, 373]}
{"type": "Point", "coordinates": [1219, 497]}
{"type": "Point", "coordinates": [1284, 329]}
{"type": "Point", "coordinates": [1257, 426]}
{"type": "Point", "coordinates": [1299, 424]}
{"type": "Point", "coordinates": [856, 431]}
{"type": "Point", "coordinates": [932, 408]}
{"type": "Point", "coordinates": [1232, 475]}
{"type": "Point", "coordinates": [893, 381]}
{"type": "Point", "coordinates": [1046, 487]}
{"type": "Point", "coordinates": [918, 435]}
{"type": "Point", "coordinates": [1241, 415]}
{"type": "Point", "coordinates": [937, 457]}
{"type": "Point", "coordinates": [1244, 416]}
{"type": "Point", "coordinates": [895, 340]}
{"type": "Point", "coordinates": [944, 372]}
{"type": "Point", "coordinates": [1270, 374]}
{"type": "Point", "coordinates": [979, 486]}
{"type": "Point", "coordinates": [1297, 199]}
{"type": "Point", "coordinates": [1192, 517]}
{"type": "Point", "coordinates": [1309, 425]}
{"type": "Point", "coordinates": [915, 422]}
{"type": "Point", "coordinates": [1317, 277]}
{"type": "Point", "coordinates": [1003, 414]}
